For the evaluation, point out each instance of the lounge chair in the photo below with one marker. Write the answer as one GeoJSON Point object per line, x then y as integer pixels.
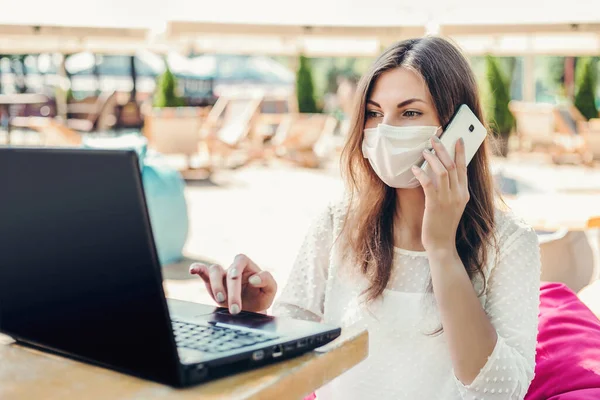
{"type": "Point", "coordinates": [534, 124]}
{"type": "Point", "coordinates": [98, 115]}
{"type": "Point", "coordinates": [567, 257]}
{"type": "Point", "coordinates": [570, 121]}
{"type": "Point", "coordinates": [593, 138]}
{"type": "Point", "coordinates": [274, 109]}
{"type": "Point", "coordinates": [229, 129]}
{"type": "Point", "coordinates": [52, 132]}
{"type": "Point", "coordinates": [304, 139]}
{"type": "Point", "coordinates": [536, 128]}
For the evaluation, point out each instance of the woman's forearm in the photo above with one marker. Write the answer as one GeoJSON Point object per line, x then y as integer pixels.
{"type": "Point", "coordinates": [471, 335]}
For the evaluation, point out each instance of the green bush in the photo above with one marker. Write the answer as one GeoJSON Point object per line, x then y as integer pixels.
{"type": "Point", "coordinates": [585, 98]}
{"type": "Point", "coordinates": [166, 93]}
{"type": "Point", "coordinates": [305, 87]}
{"type": "Point", "coordinates": [499, 117]}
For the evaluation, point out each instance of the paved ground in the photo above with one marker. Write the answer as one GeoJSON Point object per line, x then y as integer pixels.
{"type": "Point", "coordinates": [261, 212]}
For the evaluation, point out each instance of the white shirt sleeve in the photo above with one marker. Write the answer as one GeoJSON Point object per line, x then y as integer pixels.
{"type": "Point", "coordinates": [512, 306]}
{"type": "Point", "coordinates": [304, 294]}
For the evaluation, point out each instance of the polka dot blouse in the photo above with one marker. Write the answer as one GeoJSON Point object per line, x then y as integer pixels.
{"type": "Point", "coordinates": [407, 360]}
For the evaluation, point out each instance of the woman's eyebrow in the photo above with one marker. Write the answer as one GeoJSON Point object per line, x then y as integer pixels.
{"type": "Point", "coordinates": [409, 101]}
{"type": "Point", "coordinates": [400, 105]}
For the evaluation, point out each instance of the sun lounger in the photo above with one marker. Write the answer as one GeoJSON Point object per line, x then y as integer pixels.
{"type": "Point", "coordinates": [542, 126]}
{"type": "Point", "coordinates": [567, 257]}
{"type": "Point", "coordinates": [96, 116]}
{"type": "Point", "coordinates": [229, 129]}
{"type": "Point", "coordinates": [304, 139]}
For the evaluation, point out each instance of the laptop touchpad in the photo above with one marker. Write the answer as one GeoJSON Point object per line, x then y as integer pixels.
{"type": "Point", "coordinates": [246, 319]}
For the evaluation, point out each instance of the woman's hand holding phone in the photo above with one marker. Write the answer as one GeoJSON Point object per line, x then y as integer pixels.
{"type": "Point", "coordinates": [446, 196]}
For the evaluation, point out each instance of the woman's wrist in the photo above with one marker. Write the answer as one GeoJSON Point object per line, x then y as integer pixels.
{"type": "Point", "coordinates": [442, 254]}
{"type": "Point", "coordinates": [445, 263]}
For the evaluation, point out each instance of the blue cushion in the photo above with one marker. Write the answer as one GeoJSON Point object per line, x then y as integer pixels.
{"type": "Point", "coordinates": [164, 188]}
{"type": "Point", "coordinates": [167, 207]}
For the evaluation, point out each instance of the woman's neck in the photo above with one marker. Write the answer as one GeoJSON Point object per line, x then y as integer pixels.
{"type": "Point", "coordinates": [408, 220]}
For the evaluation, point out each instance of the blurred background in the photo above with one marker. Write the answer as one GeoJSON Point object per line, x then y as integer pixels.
{"type": "Point", "coordinates": [239, 110]}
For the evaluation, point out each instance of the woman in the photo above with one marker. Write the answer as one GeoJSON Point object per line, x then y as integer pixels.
{"type": "Point", "coordinates": [446, 283]}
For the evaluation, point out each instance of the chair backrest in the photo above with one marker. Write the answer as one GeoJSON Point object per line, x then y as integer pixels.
{"type": "Point", "coordinates": [534, 121]}
{"type": "Point", "coordinates": [567, 257]}
{"type": "Point", "coordinates": [239, 116]}
{"type": "Point", "coordinates": [571, 117]}
{"type": "Point", "coordinates": [106, 118]}
{"type": "Point", "coordinates": [565, 122]}
{"type": "Point", "coordinates": [303, 131]}
{"type": "Point", "coordinates": [279, 104]}
{"type": "Point", "coordinates": [593, 137]}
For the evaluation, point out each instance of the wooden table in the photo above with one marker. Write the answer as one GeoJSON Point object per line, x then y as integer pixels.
{"type": "Point", "coordinates": [27, 374]}
{"type": "Point", "coordinates": [7, 100]}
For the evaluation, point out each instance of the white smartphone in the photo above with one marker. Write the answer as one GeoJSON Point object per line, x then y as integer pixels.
{"type": "Point", "coordinates": [464, 124]}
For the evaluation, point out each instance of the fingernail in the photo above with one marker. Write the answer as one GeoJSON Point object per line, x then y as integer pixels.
{"type": "Point", "coordinates": [220, 297]}
{"type": "Point", "coordinates": [233, 273]}
{"type": "Point", "coordinates": [437, 139]}
{"type": "Point", "coordinates": [255, 280]}
{"type": "Point", "coordinates": [427, 151]}
{"type": "Point", "coordinates": [462, 141]}
{"type": "Point", "coordinates": [192, 270]}
{"type": "Point", "coordinates": [234, 309]}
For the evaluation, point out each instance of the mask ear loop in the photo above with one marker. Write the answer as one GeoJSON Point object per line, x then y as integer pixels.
{"type": "Point", "coordinates": [429, 145]}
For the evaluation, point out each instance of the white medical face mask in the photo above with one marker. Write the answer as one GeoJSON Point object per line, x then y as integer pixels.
{"type": "Point", "coordinates": [393, 150]}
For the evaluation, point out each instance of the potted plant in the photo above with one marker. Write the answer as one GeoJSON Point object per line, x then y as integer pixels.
{"type": "Point", "coordinates": [499, 117]}
{"type": "Point", "coordinates": [585, 98]}
{"type": "Point", "coordinates": [166, 93]}
{"type": "Point", "coordinates": [305, 87]}
{"type": "Point", "coordinates": [170, 126]}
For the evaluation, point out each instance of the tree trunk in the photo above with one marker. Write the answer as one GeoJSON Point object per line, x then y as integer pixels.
{"type": "Point", "coordinates": [133, 79]}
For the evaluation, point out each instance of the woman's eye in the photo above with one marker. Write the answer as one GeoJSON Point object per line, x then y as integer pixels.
{"type": "Point", "coordinates": [373, 114]}
{"type": "Point", "coordinates": [412, 114]}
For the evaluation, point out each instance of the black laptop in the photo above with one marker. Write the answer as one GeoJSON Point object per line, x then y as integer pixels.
{"type": "Point", "coordinates": [79, 276]}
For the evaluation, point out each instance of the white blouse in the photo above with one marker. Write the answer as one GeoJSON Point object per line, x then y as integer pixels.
{"type": "Point", "coordinates": [405, 361]}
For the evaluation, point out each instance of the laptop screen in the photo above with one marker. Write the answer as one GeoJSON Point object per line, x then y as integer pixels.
{"type": "Point", "coordinates": [78, 268]}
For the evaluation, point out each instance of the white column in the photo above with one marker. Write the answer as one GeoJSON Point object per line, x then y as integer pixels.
{"type": "Point", "coordinates": [529, 77]}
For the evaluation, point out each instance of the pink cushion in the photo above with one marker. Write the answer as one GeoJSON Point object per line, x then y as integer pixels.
{"type": "Point", "coordinates": [568, 348]}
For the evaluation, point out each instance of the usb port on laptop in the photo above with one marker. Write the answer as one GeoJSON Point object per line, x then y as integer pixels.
{"type": "Point", "coordinates": [289, 347]}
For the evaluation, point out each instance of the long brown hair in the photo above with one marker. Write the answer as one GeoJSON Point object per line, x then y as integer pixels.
{"type": "Point", "coordinates": [369, 224]}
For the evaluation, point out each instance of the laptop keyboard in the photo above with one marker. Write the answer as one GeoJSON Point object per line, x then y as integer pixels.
{"type": "Point", "coordinates": [215, 339]}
